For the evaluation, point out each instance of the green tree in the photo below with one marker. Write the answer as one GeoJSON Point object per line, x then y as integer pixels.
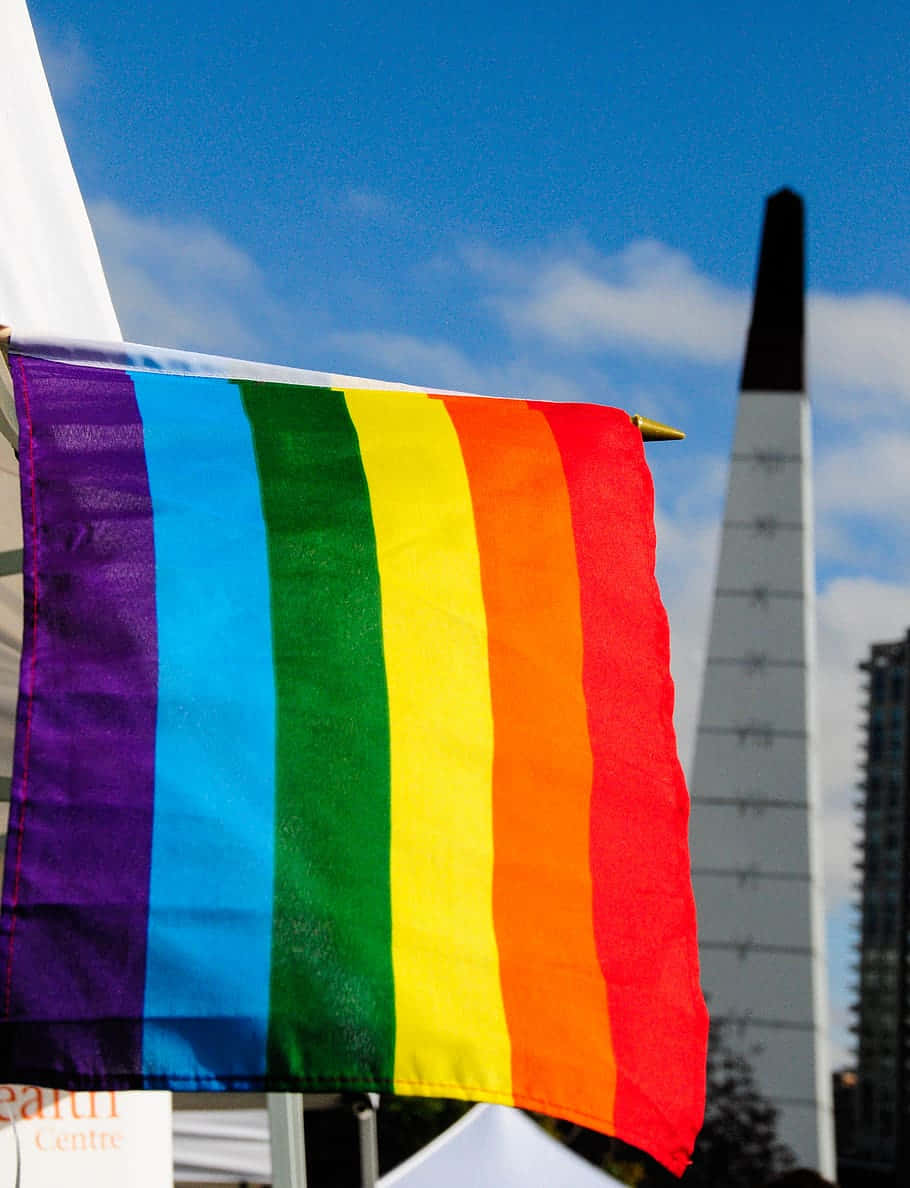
{"type": "Point", "coordinates": [737, 1146]}
{"type": "Point", "coordinates": [622, 1161]}
{"type": "Point", "coordinates": [406, 1124]}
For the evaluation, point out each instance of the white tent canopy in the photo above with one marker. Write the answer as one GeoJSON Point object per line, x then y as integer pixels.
{"type": "Point", "coordinates": [496, 1147]}
{"type": "Point", "coordinates": [490, 1147]}
{"type": "Point", "coordinates": [222, 1146]}
{"type": "Point", "coordinates": [51, 277]}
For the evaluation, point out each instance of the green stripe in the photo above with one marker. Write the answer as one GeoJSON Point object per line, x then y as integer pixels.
{"type": "Point", "coordinates": [331, 990]}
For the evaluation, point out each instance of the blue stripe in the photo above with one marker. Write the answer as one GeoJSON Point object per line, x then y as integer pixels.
{"type": "Point", "coordinates": [210, 899]}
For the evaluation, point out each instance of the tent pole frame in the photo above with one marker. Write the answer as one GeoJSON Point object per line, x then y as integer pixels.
{"type": "Point", "coordinates": [286, 1140]}
{"type": "Point", "coordinates": [286, 1113]}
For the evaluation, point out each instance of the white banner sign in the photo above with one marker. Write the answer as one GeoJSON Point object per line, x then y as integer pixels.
{"type": "Point", "coordinates": [53, 1138]}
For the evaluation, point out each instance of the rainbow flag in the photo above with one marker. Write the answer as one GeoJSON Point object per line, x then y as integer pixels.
{"type": "Point", "coordinates": [345, 754]}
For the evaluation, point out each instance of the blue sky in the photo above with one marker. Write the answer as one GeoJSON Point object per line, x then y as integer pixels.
{"type": "Point", "coordinates": [422, 191]}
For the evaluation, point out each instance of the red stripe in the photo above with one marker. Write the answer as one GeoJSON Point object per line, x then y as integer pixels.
{"type": "Point", "coordinates": [644, 914]}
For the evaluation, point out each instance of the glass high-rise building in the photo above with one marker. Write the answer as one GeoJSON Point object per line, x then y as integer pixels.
{"type": "Point", "coordinates": [882, 1124]}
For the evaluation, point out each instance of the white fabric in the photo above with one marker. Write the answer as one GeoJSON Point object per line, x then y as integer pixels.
{"type": "Point", "coordinates": [137, 357]}
{"type": "Point", "coordinates": [490, 1147]}
{"type": "Point", "coordinates": [51, 281]}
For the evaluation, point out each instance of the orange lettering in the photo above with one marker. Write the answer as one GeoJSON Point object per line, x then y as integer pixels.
{"type": "Point", "coordinates": [97, 1112]}
{"type": "Point", "coordinates": [9, 1094]}
{"type": "Point", "coordinates": [37, 1099]}
{"type": "Point", "coordinates": [74, 1101]}
{"type": "Point", "coordinates": [71, 1141]}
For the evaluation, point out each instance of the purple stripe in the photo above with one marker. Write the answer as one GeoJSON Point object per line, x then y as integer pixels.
{"type": "Point", "coordinates": [83, 778]}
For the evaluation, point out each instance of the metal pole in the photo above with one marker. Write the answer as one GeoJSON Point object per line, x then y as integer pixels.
{"type": "Point", "coordinates": [286, 1140]}
{"type": "Point", "coordinates": [365, 1113]}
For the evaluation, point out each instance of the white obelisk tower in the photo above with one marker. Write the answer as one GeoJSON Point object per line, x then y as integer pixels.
{"type": "Point", "coordinates": [755, 831]}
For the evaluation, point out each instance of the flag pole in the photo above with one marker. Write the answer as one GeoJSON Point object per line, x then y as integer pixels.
{"type": "Point", "coordinates": [9, 424]}
{"type": "Point", "coordinates": [10, 559]}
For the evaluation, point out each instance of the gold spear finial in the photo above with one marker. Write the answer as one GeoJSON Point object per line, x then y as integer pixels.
{"type": "Point", "coordinates": [654, 430]}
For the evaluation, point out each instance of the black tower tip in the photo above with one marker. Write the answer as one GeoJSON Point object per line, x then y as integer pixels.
{"type": "Point", "coordinates": [774, 351]}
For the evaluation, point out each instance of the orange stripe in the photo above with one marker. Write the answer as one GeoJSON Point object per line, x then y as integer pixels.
{"type": "Point", "coordinates": [552, 985]}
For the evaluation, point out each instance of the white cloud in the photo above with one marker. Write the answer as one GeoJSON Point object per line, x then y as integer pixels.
{"type": "Point", "coordinates": [866, 476]}
{"type": "Point", "coordinates": [429, 362]}
{"type": "Point", "coordinates": [861, 342]}
{"type": "Point", "coordinates": [182, 284]}
{"type": "Point", "coordinates": [862, 496]}
{"type": "Point", "coordinates": [647, 296]}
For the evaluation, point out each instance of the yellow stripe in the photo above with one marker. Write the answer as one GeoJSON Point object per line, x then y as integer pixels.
{"type": "Point", "coordinates": [451, 1033]}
